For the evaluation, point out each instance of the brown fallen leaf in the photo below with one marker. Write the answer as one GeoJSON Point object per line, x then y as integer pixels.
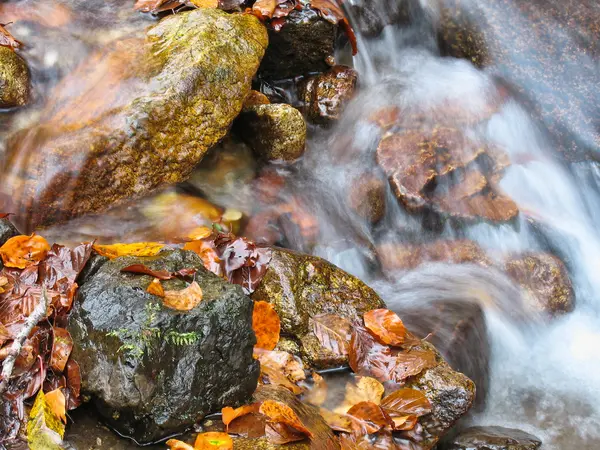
{"type": "Point", "coordinates": [362, 389]}
{"type": "Point", "coordinates": [134, 249]}
{"type": "Point", "coordinates": [24, 251]}
{"type": "Point", "coordinates": [333, 332]}
{"type": "Point", "coordinates": [7, 39]}
{"type": "Point", "coordinates": [406, 402]}
{"type": "Point", "coordinates": [56, 402]}
{"type": "Point", "coordinates": [62, 344]}
{"type": "Point", "coordinates": [410, 363]}
{"type": "Point", "coordinates": [404, 423]}
{"type": "Point", "coordinates": [229, 414]}
{"type": "Point", "coordinates": [142, 269]}
{"type": "Point", "coordinates": [386, 326]}
{"type": "Point", "coordinates": [279, 412]}
{"type": "Point", "coordinates": [73, 375]}
{"type": "Point", "coordinates": [337, 422]}
{"type": "Point", "coordinates": [368, 357]}
{"type": "Point", "coordinates": [207, 252]}
{"type": "Point", "coordinates": [185, 299]}
{"type": "Point", "coordinates": [280, 368]}
{"type": "Point", "coordinates": [369, 418]}
{"type": "Point", "coordinates": [156, 288]}
{"type": "Point", "coordinates": [213, 441]}
{"type": "Point", "coordinates": [266, 325]}
{"type": "Point", "coordinates": [280, 434]}
{"type": "Point", "coordinates": [251, 426]}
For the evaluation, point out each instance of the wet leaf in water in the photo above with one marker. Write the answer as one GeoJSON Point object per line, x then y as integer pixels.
{"type": "Point", "coordinates": [266, 325]}
{"type": "Point", "coordinates": [24, 251]}
{"type": "Point", "coordinates": [156, 288]}
{"type": "Point", "coordinates": [317, 392]}
{"type": "Point", "coordinates": [337, 422]}
{"type": "Point", "coordinates": [333, 332]}
{"type": "Point", "coordinates": [279, 412]}
{"type": "Point", "coordinates": [279, 434]}
{"type": "Point", "coordinates": [229, 414]}
{"type": "Point", "coordinates": [57, 403]}
{"type": "Point", "coordinates": [142, 269]}
{"type": "Point", "coordinates": [280, 368]}
{"type": "Point", "coordinates": [185, 299]}
{"type": "Point", "coordinates": [175, 444]}
{"type": "Point", "coordinates": [368, 357]}
{"type": "Point", "coordinates": [361, 389]}
{"type": "Point", "coordinates": [45, 430]}
{"type": "Point", "coordinates": [386, 326]}
{"type": "Point", "coordinates": [134, 249]}
{"type": "Point", "coordinates": [370, 418]}
{"type": "Point", "coordinates": [406, 402]}
{"type": "Point", "coordinates": [62, 344]}
{"type": "Point", "coordinates": [7, 39]}
{"type": "Point", "coordinates": [213, 441]}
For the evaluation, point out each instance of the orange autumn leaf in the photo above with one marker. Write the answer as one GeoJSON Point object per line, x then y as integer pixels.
{"type": "Point", "coordinates": [133, 249]}
{"type": "Point", "coordinates": [386, 326]}
{"type": "Point", "coordinates": [62, 344]}
{"type": "Point", "coordinates": [199, 233]}
{"type": "Point", "coordinates": [410, 363]}
{"type": "Point", "coordinates": [279, 412]}
{"type": "Point", "coordinates": [57, 403]}
{"type": "Point", "coordinates": [213, 441]}
{"type": "Point", "coordinates": [369, 418]}
{"type": "Point", "coordinates": [266, 325]}
{"type": "Point", "coordinates": [24, 251]}
{"type": "Point", "coordinates": [208, 254]}
{"type": "Point", "coordinates": [229, 414]}
{"type": "Point", "coordinates": [406, 402]}
{"type": "Point", "coordinates": [363, 389]}
{"type": "Point", "coordinates": [185, 299]}
{"type": "Point", "coordinates": [155, 288]}
{"type": "Point", "coordinates": [175, 444]}
{"type": "Point", "coordinates": [7, 39]}
{"type": "Point", "coordinates": [333, 332]}
{"type": "Point", "coordinates": [404, 423]}
{"type": "Point", "coordinates": [280, 368]}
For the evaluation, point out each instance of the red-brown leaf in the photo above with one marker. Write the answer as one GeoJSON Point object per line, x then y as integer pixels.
{"type": "Point", "coordinates": [386, 326]}
{"type": "Point", "coordinates": [333, 332]}
{"type": "Point", "coordinates": [368, 357]}
{"type": "Point", "coordinates": [73, 374]}
{"type": "Point", "coordinates": [62, 344]}
{"type": "Point", "coordinates": [406, 402]}
{"type": "Point", "coordinates": [7, 40]}
{"type": "Point", "coordinates": [280, 433]}
{"type": "Point", "coordinates": [370, 418]}
{"type": "Point", "coordinates": [144, 270]}
{"type": "Point", "coordinates": [411, 363]}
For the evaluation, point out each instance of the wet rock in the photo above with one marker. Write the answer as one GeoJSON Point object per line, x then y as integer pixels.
{"type": "Point", "coordinates": [324, 96]}
{"type": "Point", "coordinates": [458, 331]}
{"type": "Point", "coordinates": [493, 438]}
{"type": "Point", "coordinates": [137, 115]}
{"type": "Point", "coordinates": [301, 47]}
{"type": "Point", "coordinates": [7, 230]}
{"type": "Point", "coordinates": [545, 278]}
{"type": "Point", "coordinates": [443, 172]}
{"type": "Point", "coordinates": [405, 256]}
{"type": "Point", "coordinates": [367, 197]}
{"type": "Point", "coordinates": [276, 132]}
{"type": "Point", "coordinates": [14, 79]}
{"type": "Point", "coordinates": [302, 286]}
{"type": "Point", "coordinates": [264, 444]}
{"type": "Point", "coordinates": [524, 40]}
{"type": "Point", "coordinates": [152, 371]}
{"type": "Point", "coordinates": [451, 394]}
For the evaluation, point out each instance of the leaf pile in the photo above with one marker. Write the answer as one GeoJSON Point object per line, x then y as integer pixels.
{"type": "Point", "coordinates": [44, 364]}
{"type": "Point", "coordinates": [292, 405]}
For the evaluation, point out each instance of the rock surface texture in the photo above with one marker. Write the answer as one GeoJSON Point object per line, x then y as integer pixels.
{"type": "Point", "coordinates": [137, 115]}
{"type": "Point", "coordinates": [493, 438]}
{"type": "Point", "coordinates": [152, 371]}
{"type": "Point", "coordinates": [14, 79]}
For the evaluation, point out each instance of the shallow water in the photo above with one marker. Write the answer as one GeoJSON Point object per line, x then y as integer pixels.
{"type": "Point", "coordinates": [545, 374]}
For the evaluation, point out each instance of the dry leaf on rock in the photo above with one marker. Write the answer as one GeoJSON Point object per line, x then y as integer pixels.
{"type": "Point", "coordinates": [333, 332]}
{"type": "Point", "coordinates": [133, 249]}
{"type": "Point", "coordinates": [156, 288]}
{"type": "Point", "coordinates": [266, 325]}
{"type": "Point", "coordinates": [386, 326]}
{"type": "Point", "coordinates": [185, 299]}
{"type": "Point", "coordinates": [24, 251]}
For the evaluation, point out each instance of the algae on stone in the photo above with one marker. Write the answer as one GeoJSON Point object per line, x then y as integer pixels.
{"type": "Point", "coordinates": [14, 79]}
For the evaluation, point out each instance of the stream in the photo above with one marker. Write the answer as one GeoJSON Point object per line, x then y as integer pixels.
{"type": "Point", "coordinates": [544, 371]}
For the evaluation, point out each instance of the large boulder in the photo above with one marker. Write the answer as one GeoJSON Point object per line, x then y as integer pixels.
{"type": "Point", "coordinates": [302, 286]}
{"type": "Point", "coordinates": [493, 438]}
{"type": "Point", "coordinates": [152, 371]}
{"type": "Point", "coordinates": [14, 79]}
{"type": "Point", "coordinates": [139, 114]}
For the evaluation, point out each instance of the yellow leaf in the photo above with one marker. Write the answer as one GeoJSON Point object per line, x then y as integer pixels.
{"type": "Point", "coordinates": [45, 430]}
{"type": "Point", "coordinates": [213, 441]}
{"type": "Point", "coordinates": [366, 389]}
{"type": "Point", "coordinates": [57, 403]}
{"type": "Point", "coordinates": [185, 299]}
{"type": "Point", "coordinates": [24, 251]}
{"type": "Point", "coordinates": [174, 444]}
{"type": "Point", "coordinates": [199, 233]}
{"type": "Point", "coordinates": [134, 249]}
{"type": "Point", "coordinates": [155, 288]}
{"type": "Point", "coordinates": [205, 3]}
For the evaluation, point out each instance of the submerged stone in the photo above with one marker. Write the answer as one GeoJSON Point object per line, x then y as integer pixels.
{"type": "Point", "coordinates": [152, 371]}
{"type": "Point", "coordinates": [493, 438]}
{"type": "Point", "coordinates": [138, 114]}
{"type": "Point", "coordinates": [14, 79]}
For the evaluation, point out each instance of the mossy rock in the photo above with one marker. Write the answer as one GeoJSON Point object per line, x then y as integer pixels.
{"type": "Point", "coordinates": [14, 79]}
{"type": "Point", "coordinates": [137, 115]}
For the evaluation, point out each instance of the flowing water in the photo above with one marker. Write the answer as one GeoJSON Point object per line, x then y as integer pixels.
{"type": "Point", "coordinates": [545, 373]}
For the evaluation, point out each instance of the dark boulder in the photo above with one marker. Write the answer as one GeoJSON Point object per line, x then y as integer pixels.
{"type": "Point", "coordinates": [301, 47]}
{"type": "Point", "coordinates": [7, 230]}
{"type": "Point", "coordinates": [493, 438]}
{"type": "Point", "coordinates": [152, 371]}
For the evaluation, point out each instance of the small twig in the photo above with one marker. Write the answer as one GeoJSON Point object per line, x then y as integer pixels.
{"type": "Point", "coordinates": [38, 314]}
